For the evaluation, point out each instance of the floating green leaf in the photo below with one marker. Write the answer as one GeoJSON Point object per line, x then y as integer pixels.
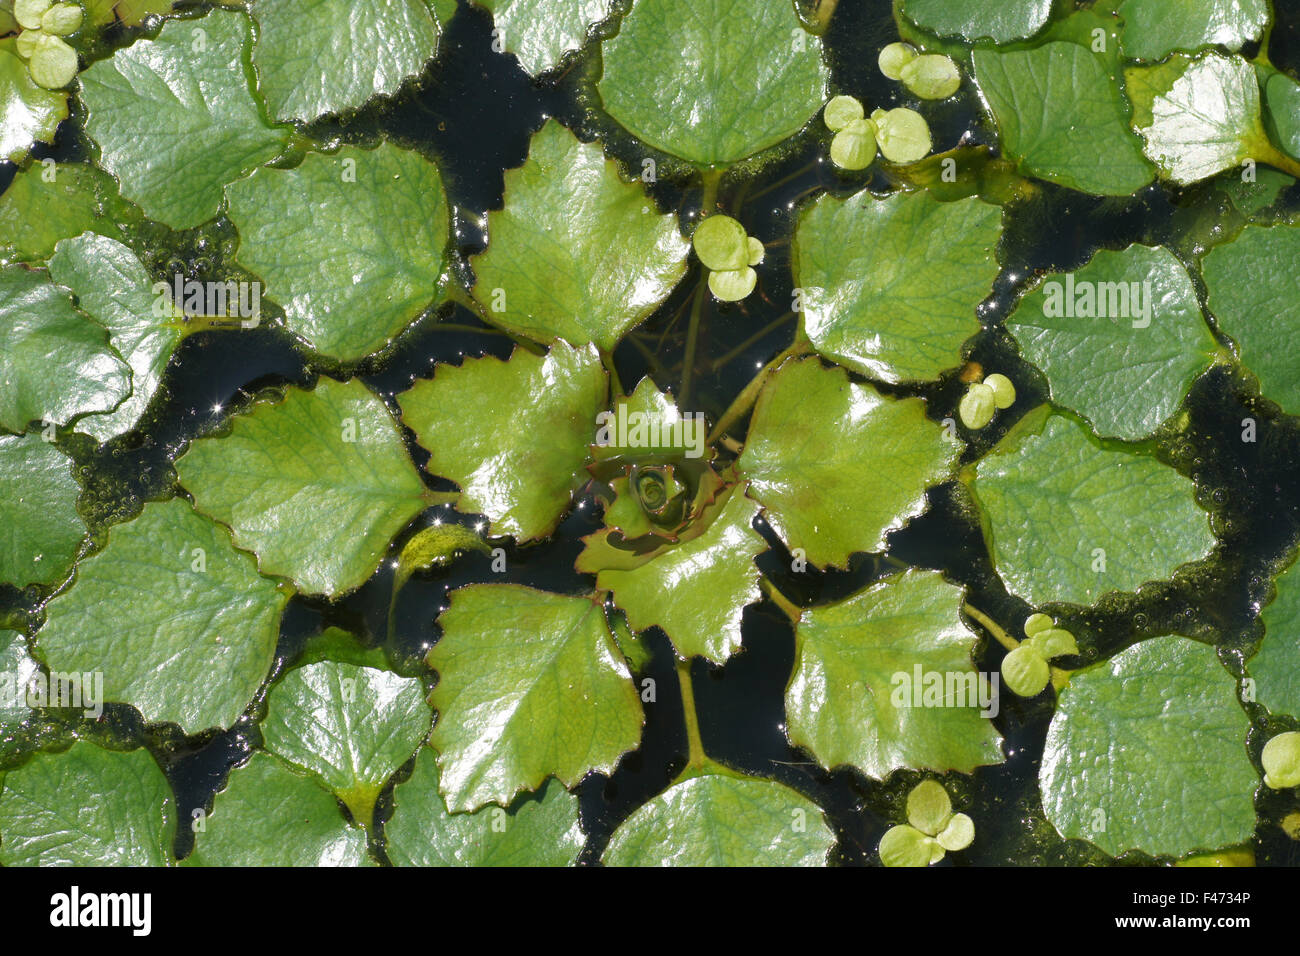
{"type": "Point", "coordinates": [327, 56]}
{"type": "Point", "coordinates": [16, 669]}
{"type": "Point", "coordinates": [45, 204]}
{"type": "Point", "coordinates": [175, 118]}
{"type": "Point", "coordinates": [1251, 197]}
{"type": "Point", "coordinates": [999, 20]}
{"type": "Point", "coordinates": [87, 807]}
{"type": "Point", "coordinates": [351, 244]}
{"type": "Point", "coordinates": [536, 832]}
{"type": "Point", "coordinates": [55, 362]}
{"type": "Point", "coordinates": [316, 485]}
{"type": "Point", "coordinates": [541, 32]}
{"type": "Point", "coordinates": [1089, 146]}
{"type": "Point", "coordinates": [1207, 121]}
{"type": "Point", "coordinates": [351, 727]}
{"type": "Point", "coordinates": [1069, 520]}
{"type": "Point", "coordinates": [38, 511]}
{"type": "Point", "coordinates": [811, 461]}
{"type": "Point", "coordinates": [889, 286]}
{"type": "Point", "coordinates": [676, 79]}
{"type": "Point", "coordinates": [1129, 747]}
{"type": "Point", "coordinates": [115, 288]}
{"type": "Point", "coordinates": [697, 592]}
{"type": "Point", "coordinates": [514, 435]}
{"type": "Point", "coordinates": [270, 816]}
{"type": "Point", "coordinates": [435, 546]}
{"type": "Point", "coordinates": [883, 680]}
{"type": "Point", "coordinates": [722, 819]}
{"type": "Point", "coordinates": [1254, 292]}
{"type": "Point", "coordinates": [648, 424]}
{"type": "Point", "coordinates": [548, 273]}
{"type": "Point", "coordinates": [28, 113]}
{"type": "Point", "coordinates": [1275, 667]}
{"type": "Point", "coordinates": [1282, 107]}
{"type": "Point", "coordinates": [1121, 340]}
{"type": "Point", "coordinates": [179, 622]}
{"type": "Point", "coordinates": [1155, 28]}
{"type": "Point", "coordinates": [530, 685]}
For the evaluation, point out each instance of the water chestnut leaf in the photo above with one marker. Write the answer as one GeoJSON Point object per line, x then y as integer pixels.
{"type": "Point", "coordinates": [36, 213]}
{"type": "Point", "coordinates": [863, 689]}
{"type": "Point", "coordinates": [267, 815]}
{"type": "Point", "coordinates": [1131, 742]}
{"type": "Point", "coordinates": [1155, 28]}
{"type": "Point", "coordinates": [56, 363]}
{"type": "Point", "coordinates": [722, 819]}
{"type": "Point", "coordinates": [530, 685]}
{"type": "Point", "coordinates": [1254, 292]}
{"type": "Point", "coordinates": [115, 289]}
{"type": "Point", "coordinates": [676, 82]}
{"type": "Point", "coordinates": [351, 244]}
{"type": "Point", "coordinates": [316, 485]}
{"type": "Point", "coordinates": [327, 56]}
{"type": "Point", "coordinates": [179, 622]}
{"type": "Point", "coordinates": [29, 113]}
{"type": "Point", "coordinates": [677, 436]}
{"type": "Point", "coordinates": [38, 510]}
{"type": "Point", "coordinates": [87, 807]}
{"type": "Point", "coordinates": [1207, 121]}
{"type": "Point", "coordinates": [808, 460]}
{"type": "Point", "coordinates": [1069, 520]}
{"type": "Point", "coordinates": [1282, 111]}
{"type": "Point", "coordinates": [1088, 147]}
{"type": "Point", "coordinates": [348, 726]}
{"type": "Point", "coordinates": [17, 668]}
{"type": "Point", "coordinates": [541, 32]}
{"type": "Point", "coordinates": [548, 273]}
{"type": "Point", "coordinates": [721, 243]}
{"type": "Point", "coordinates": [697, 591]}
{"type": "Point", "coordinates": [1121, 340]}
{"type": "Point", "coordinates": [929, 808]}
{"type": "Point", "coordinates": [841, 111]}
{"type": "Point", "coordinates": [895, 316]}
{"type": "Point", "coordinates": [1275, 667]}
{"type": "Point", "coordinates": [540, 831]}
{"type": "Point", "coordinates": [514, 435]}
{"type": "Point", "coordinates": [1281, 761]}
{"type": "Point", "coordinates": [175, 124]}
{"type": "Point", "coordinates": [998, 20]}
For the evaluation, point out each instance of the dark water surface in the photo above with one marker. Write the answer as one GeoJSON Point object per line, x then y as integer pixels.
{"type": "Point", "coordinates": [474, 111]}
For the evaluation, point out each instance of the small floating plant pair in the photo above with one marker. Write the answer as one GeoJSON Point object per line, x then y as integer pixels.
{"type": "Point", "coordinates": [730, 254]}
{"type": "Point", "coordinates": [931, 831]}
{"type": "Point", "coordinates": [901, 135]}
{"type": "Point", "coordinates": [984, 399]}
{"type": "Point", "coordinates": [51, 62]}
{"type": "Point", "coordinates": [1025, 670]}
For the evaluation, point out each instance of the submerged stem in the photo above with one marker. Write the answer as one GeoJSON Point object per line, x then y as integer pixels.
{"type": "Point", "coordinates": [695, 755]}
{"type": "Point", "coordinates": [749, 395]}
{"type": "Point", "coordinates": [990, 625]}
{"type": "Point", "coordinates": [790, 609]}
